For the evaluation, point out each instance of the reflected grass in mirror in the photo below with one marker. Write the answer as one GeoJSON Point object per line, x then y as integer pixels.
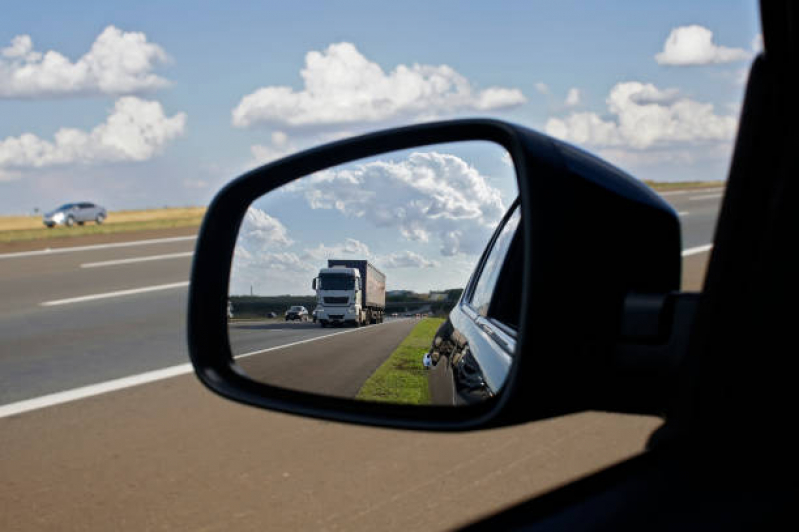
{"type": "Point", "coordinates": [401, 379]}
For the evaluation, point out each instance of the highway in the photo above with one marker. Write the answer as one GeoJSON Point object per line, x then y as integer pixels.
{"type": "Point", "coordinates": [338, 364]}
{"type": "Point", "coordinates": [155, 450]}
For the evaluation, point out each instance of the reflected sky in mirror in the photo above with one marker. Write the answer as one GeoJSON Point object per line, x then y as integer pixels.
{"type": "Point", "coordinates": [421, 218]}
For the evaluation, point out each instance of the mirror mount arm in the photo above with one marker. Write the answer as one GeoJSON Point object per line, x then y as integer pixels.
{"type": "Point", "coordinates": [645, 361]}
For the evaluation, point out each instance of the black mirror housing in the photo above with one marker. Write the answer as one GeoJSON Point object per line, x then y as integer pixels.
{"type": "Point", "coordinates": [592, 236]}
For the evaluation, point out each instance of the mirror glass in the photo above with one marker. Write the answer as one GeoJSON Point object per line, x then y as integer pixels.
{"type": "Point", "coordinates": [348, 282]}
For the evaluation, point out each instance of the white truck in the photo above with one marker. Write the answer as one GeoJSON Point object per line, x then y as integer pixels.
{"type": "Point", "coordinates": [351, 292]}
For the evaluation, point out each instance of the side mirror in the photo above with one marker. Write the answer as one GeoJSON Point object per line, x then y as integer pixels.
{"type": "Point", "coordinates": [587, 237]}
{"type": "Point", "coordinates": [313, 283]}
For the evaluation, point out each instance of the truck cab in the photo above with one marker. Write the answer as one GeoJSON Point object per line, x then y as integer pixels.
{"type": "Point", "coordinates": [339, 296]}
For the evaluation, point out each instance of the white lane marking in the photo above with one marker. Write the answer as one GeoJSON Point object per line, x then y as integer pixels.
{"type": "Point", "coordinates": [49, 251]}
{"type": "Point", "coordinates": [117, 293]}
{"type": "Point", "coordinates": [674, 193]}
{"type": "Point", "coordinates": [92, 390]}
{"type": "Point", "coordinates": [683, 213]}
{"type": "Point", "coordinates": [136, 259]}
{"type": "Point", "coordinates": [698, 249]}
{"type": "Point", "coordinates": [706, 196]}
{"type": "Point", "coordinates": [147, 377]}
{"type": "Point", "coordinates": [298, 342]}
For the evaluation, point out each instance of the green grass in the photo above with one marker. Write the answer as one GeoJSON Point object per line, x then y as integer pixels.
{"type": "Point", "coordinates": [402, 378]}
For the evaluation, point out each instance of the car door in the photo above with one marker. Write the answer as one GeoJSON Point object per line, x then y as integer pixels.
{"type": "Point", "coordinates": [472, 351]}
{"type": "Point", "coordinates": [88, 211]}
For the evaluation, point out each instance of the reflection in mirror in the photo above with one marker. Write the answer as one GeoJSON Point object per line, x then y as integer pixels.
{"type": "Point", "coordinates": [347, 282]}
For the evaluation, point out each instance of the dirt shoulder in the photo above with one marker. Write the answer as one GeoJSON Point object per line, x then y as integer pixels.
{"type": "Point", "coordinates": [92, 239]}
{"type": "Point", "coordinates": [661, 186]}
{"type": "Point", "coordinates": [24, 233]}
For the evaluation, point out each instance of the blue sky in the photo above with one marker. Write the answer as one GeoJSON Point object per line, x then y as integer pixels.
{"type": "Point", "coordinates": [152, 104]}
{"type": "Point", "coordinates": [219, 54]}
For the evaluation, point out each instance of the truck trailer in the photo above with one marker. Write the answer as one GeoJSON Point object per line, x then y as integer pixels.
{"type": "Point", "coordinates": [351, 292]}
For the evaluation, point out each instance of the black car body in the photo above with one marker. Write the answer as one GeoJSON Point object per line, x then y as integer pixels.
{"type": "Point", "coordinates": [472, 351]}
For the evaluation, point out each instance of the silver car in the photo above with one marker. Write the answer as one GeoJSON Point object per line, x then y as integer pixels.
{"type": "Point", "coordinates": [75, 213]}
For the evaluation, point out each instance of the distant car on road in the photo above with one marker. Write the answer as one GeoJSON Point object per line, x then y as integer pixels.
{"type": "Point", "coordinates": [70, 214]}
{"type": "Point", "coordinates": [271, 315]}
{"type": "Point", "coordinates": [297, 313]}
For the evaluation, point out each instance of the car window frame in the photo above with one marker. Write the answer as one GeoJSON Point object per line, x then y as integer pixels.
{"type": "Point", "coordinates": [502, 335]}
{"type": "Point", "coordinates": [478, 272]}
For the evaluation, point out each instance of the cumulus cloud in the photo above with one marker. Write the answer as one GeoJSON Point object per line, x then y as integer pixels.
{"type": "Point", "coordinates": [426, 196]}
{"type": "Point", "coordinates": [262, 257]}
{"type": "Point", "coordinates": [643, 117]}
{"type": "Point", "coordinates": [349, 248]}
{"type": "Point", "coordinates": [572, 97]}
{"type": "Point", "coordinates": [342, 86]}
{"type": "Point", "coordinates": [118, 62]}
{"type": "Point", "coordinates": [136, 130]}
{"type": "Point", "coordinates": [260, 231]}
{"type": "Point", "coordinates": [355, 249]}
{"type": "Point", "coordinates": [406, 259]}
{"type": "Point", "coordinates": [693, 45]}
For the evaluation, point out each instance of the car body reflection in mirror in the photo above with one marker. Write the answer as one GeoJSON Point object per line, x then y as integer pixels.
{"type": "Point", "coordinates": [472, 351]}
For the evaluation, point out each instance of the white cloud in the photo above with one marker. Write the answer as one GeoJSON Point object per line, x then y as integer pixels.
{"type": "Point", "coordinates": [118, 62]}
{"type": "Point", "coordinates": [427, 195]}
{"type": "Point", "coordinates": [542, 88]}
{"type": "Point", "coordinates": [136, 130]}
{"type": "Point", "coordinates": [353, 248]}
{"type": "Point", "coordinates": [261, 256]}
{"type": "Point", "coordinates": [349, 248]}
{"type": "Point", "coordinates": [406, 259]}
{"type": "Point", "coordinates": [572, 97]}
{"type": "Point", "coordinates": [643, 117]}
{"type": "Point", "coordinates": [342, 86]}
{"type": "Point", "coordinates": [21, 48]}
{"type": "Point", "coordinates": [260, 231]}
{"type": "Point", "coordinates": [693, 45]}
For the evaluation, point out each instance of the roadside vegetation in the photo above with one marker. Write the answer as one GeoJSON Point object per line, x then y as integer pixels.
{"type": "Point", "coordinates": [402, 378]}
{"type": "Point", "coordinates": [662, 186]}
{"type": "Point", "coordinates": [22, 228]}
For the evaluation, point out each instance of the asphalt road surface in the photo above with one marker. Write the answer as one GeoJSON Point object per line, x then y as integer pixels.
{"type": "Point", "coordinates": [337, 364]}
{"type": "Point", "coordinates": [154, 450]}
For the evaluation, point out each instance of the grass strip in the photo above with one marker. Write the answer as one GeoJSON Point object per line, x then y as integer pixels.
{"type": "Point", "coordinates": [402, 378]}
{"type": "Point", "coordinates": [662, 186]}
{"type": "Point", "coordinates": [43, 233]}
